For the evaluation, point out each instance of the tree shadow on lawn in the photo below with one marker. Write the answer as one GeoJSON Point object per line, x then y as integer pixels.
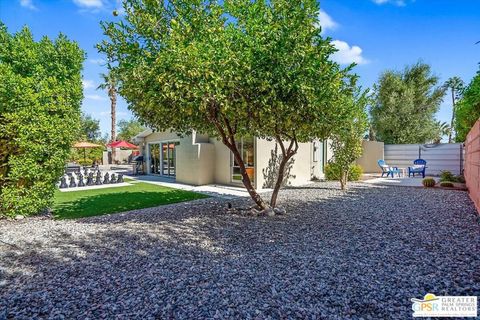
{"type": "Point", "coordinates": [93, 205]}
{"type": "Point", "coordinates": [332, 253]}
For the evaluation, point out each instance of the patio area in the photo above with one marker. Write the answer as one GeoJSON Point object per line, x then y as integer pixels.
{"type": "Point", "coordinates": [363, 253]}
{"type": "Point", "coordinates": [402, 181]}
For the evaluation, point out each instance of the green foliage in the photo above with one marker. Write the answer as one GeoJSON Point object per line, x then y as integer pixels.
{"type": "Point", "coordinates": [333, 172]}
{"type": "Point", "coordinates": [446, 175]}
{"type": "Point", "coordinates": [355, 172]}
{"type": "Point", "coordinates": [468, 109]}
{"type": "Point", "coordinates": [40, 96]}
{"type": "Point", "coordinates": [405, 104]}
{"type": "Point", "coordinates": [346, 141]}
{"type": "Point", "coordinates": [89, 129]}
{"type": "Point", "coordinates": [446, 184]}
{"type": "Point", "coordinates": [428, 182]}
{"type": "Point", "coordinates": [129, 129]}
{"type": "Point", "coordinates": [229, 69]}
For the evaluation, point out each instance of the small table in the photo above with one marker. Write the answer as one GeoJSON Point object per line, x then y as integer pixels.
{"type": "Point", "coordinates": [403, 172]}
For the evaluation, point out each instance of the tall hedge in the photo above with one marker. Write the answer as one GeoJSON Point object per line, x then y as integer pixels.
{"type": "Point", "coordinates": [468, 109]}
{"type": "Point", "coordinates": [40, 98]}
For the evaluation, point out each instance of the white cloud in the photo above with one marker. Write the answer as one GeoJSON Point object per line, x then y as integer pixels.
{"type": "Point", "coordinates": [400, 3]}
{"type": "Point", "coordinates": [95, 97]}
{"type": "Point", "coordinates": [326, 22]}
{"type": "Point", "coordinates": [90, 4]}
{"type": "Point", "coordinates": [88, 84]}
{"type": "Point", "coordinates": [347, 54]}
{"type": "Point", "coordinates": [28, 4]}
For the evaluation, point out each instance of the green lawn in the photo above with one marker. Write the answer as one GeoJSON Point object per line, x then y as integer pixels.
{"type": "Point", "coordinates": [78, 204]}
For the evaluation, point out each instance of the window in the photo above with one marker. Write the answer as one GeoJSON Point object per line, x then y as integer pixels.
{"type": "Point", "coordinates": [246, 148]}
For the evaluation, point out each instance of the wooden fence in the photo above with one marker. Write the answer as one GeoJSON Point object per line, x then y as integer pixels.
{"type": "Point", "coordinates": [472, 164]}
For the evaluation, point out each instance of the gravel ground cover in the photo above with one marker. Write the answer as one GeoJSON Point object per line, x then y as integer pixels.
{"type": "Point", "coordinates": [335, 255]}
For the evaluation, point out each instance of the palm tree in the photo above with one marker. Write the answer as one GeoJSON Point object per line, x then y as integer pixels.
{"type": "Point", "coordinates": [110, 83]}
{"type": "Point", "coordinates": [443, 129]}
{"type": "Point", "coordinates": [455, 85]}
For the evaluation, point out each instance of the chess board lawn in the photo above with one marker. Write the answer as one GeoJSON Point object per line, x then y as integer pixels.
{"type": "Point", "coordinates": [88, 203]}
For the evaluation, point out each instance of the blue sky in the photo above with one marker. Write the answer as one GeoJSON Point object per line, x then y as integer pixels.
{"type": "Point", "coordinates": [377, 34]}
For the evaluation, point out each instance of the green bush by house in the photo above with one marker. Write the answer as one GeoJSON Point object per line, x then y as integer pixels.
{"type": "Point", "coordinates": [332, 172]}
{"type": "Point", "coordinates": [40, 97]}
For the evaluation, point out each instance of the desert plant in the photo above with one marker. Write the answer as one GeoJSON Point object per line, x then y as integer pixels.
{"type": "Point", "coordinates": [446, 175]}
{"type": "Point", "coordinates": [428, 182]}
{"type": "Point", "coordinates": [446, 184]}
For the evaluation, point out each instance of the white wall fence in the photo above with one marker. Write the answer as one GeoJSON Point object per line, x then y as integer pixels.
{"type": "Point", "coordinates": [439, 157]}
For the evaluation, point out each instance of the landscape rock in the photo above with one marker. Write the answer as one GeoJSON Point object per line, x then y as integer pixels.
{"type": "Point", "coordinates": [359, 254]}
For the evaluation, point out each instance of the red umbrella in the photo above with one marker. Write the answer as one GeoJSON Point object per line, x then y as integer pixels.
{"type": "Point", "coordinates": [122, 144]}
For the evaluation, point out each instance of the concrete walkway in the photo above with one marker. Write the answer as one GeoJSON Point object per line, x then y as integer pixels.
{"type": "Point", "coordinates": [213, 190]}
{"type": "Point", "coordinates": [397, 181]}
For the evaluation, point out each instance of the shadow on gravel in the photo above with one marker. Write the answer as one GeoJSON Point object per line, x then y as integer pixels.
{"type": "Point", "coordinates": [360, 253]}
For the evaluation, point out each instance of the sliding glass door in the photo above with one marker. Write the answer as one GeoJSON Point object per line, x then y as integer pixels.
{"type": "Point", "coordinates": [154, 158]}
{"type": "Point", "coordinates": [163, 158]}
{"type": "Point", "coordinates": [246, 147]}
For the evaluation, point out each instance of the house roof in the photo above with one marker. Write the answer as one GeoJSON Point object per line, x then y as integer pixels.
{"type": "Point", "coordinates": [143, 134]}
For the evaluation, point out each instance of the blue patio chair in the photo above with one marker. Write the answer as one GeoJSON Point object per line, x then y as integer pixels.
{"type": "Point", "coordinates": [386, 169]}
{"type": "Point", "coordinates": [419, 166]}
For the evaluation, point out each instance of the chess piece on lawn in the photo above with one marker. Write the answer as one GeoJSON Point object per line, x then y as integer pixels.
{"type": "Point", "coordinates": [63, 182]}
{"type": "Point", "coordinates": [72, 182]}
{"type": "Point", "coordinates": [113, 179]}
{"type": "Point", "coordinates": [106, 178]}
{"type": "Point", "coordinates": [90, 179]}
{"type": "Point", "coordinates": [81, 183]}
{"type": "Point", "coordinates": [120, 178]}
{"type": "Point", "coordinates": [98, 181]}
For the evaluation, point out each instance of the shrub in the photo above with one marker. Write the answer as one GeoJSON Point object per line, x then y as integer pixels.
{"type": "Point", "coordinates": [446, 184]}
{"type": "Point", "coordinates": [460, 178]}
{"type": "Point", "coordinates": [355, 172]}
{"type": "Point", "coordinates": [40, 97]}
{"type": "Point", "coordinates": [86, 162]}
{"type": "Point", "coordinates": [332, 172]}
{"type": "Point", "coordinates": [446, 175]}
{"type": "Point", "coordinates": [428, 182]}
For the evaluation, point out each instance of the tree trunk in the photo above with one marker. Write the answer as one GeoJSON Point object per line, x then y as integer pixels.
{"type": "Point", "coordinates": [453, 117]}
{"type": "Point", "coordinates": [287, 154]}
{"type": "Point", "coordinates": [228, 139]}
{"type": "Point", "coordinates": [246, 179]}
{"type": "Point", "coordinates": [343, 180]}
{"type": "Point", "coordinates": [113, 110]}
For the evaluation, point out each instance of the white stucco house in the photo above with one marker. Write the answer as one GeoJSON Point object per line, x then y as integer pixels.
{"type": "Point", "coordinates": [198, 159]}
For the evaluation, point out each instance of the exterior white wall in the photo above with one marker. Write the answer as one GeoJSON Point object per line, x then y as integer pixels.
{"type": "Point", "coordinates": [372, 151]}
{"type": "Point", "coordinates": [195, 162]}
{"type": "Point", "coordinates": [301, 171]}
{"type": "Point", "coordinates": [222, 171]}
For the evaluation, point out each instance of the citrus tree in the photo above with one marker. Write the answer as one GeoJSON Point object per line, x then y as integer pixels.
{"type": "Point", "coordinates": [346, 139]}
{"type": "Point", "coordinates": [40, 97]}
{"type": "Point", "coordinates": [229, 69]}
